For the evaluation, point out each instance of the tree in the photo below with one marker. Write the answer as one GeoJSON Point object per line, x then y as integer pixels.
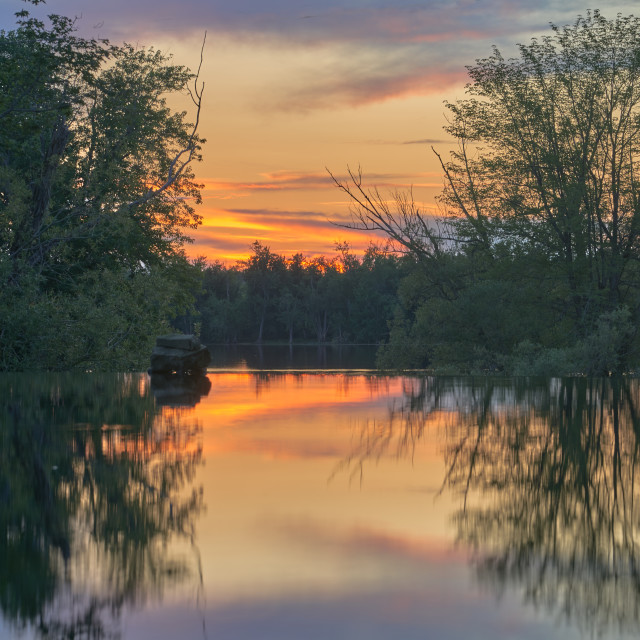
{"type": "Point", "coordinates": [555, 135]}
{"type": "Point", "coordinates": [222, 307]}
{"type": "Point", "coordinates": [291, 299]}
{"type": "Point", "coordinates": [272, 297]}
{"type": "Point", "coordinates": [544, 181]}
{"type": "Point", "coordinates": [374, 296]}
{"type": "Point", "coordinates": [264, 274]}
{"type": "Point", "coordinates": [96, 192]}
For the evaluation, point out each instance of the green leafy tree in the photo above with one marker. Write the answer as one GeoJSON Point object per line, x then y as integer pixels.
{"type": "Point", "coordinates": [374, 296]}
{"type": "Point", "coordinates": [320, 274]}
{"type": "Point", "coordinates": [96, 196]}
{"type": "Point", "coordinates": [540, 204]}
{"type": "Point", "coordinates": [341, 299]}
{"type": "Point", "coordinates": [223, 307]}
{"type": "Point", "coordinates": [264, 274]}
{"type": "Point", "coordinates": [291, 300]}
{"type": "Point", "coordinates": [548, 156]}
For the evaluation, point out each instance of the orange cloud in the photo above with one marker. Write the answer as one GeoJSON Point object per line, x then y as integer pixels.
{"type": "Point", "coordinates": [348, 88]}
{"type": "Point", "coordinates": [227, 233]}
{"type": "Point", "coordinates": [293, 181]}
{"type": "Point", "coordinates": [230, 244]}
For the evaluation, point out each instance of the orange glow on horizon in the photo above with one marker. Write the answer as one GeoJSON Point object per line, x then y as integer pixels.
{"type": "Point", "coordinates": [228, 238]}
{"type": "Point", "coordinates": [273, 138]}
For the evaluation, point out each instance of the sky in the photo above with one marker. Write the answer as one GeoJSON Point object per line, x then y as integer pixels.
{"type": "Point", "coordinates": [294, 88]}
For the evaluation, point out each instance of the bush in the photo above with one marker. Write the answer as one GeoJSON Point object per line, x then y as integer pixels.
{"type": "Point", "coordinates": [531, 359]}
{"type": "Point", "coordinates": [610, 348]}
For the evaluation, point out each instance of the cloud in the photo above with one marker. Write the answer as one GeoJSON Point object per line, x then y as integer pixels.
{"type": "Point", "coordinates": [360, 51]}
{"type": "Point", "coordinates": [363, 77]}
{"type": "Point", "coordinates": [276, 181]}
{"type": "Point", "coordinates": [314, 22]}
{"type": "Point", "coordinates": [227, 234]}
{"type": "Point", "coordinates": [427, 141]}
{"type": "Point", "coordinates": [298, 217]}
{"type": "Point", "coordinates": [304, 181]}
{"type": "Point", "coordinates": [291, 224]}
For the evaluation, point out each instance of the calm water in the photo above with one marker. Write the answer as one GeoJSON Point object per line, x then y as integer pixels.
{"type": "Point", "coordinates": [275, 506]}
{"type": "Point", "coordinates": [298, 357]}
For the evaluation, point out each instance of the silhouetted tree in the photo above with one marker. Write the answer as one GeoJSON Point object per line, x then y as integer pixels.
{"type": "Point", "coordinates": [538, 243]}
{"type": "Point", "coordinates": [96, 195]}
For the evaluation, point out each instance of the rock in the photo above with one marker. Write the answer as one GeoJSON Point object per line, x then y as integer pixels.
{"type": "Point", "coordinates": [179, 353]}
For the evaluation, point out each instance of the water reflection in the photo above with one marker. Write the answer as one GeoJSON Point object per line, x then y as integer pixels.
{"type": "Point", "coordinates": [102, 516]}
{"type": "Point", "coordinates": [545, 474]}
{"type": "Point", "coordinates": [298, 357]}
{"type": "Point", "coordinates": [95, 490]}
{"type": "Point", "coordinates": [178, 389]}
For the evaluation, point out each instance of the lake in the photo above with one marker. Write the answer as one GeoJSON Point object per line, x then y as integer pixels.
{"type": "Point", "coordinates": [294, 357]}
{"type": "Point", "coordinates": [318, 505]}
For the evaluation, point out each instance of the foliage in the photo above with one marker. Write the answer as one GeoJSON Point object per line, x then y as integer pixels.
{"type": "Point", "coordinates": [270, 297]}
{"type": "Point", "coordinates": [535, 258]}
{"type": "Point", "coordinates": [96, 193]}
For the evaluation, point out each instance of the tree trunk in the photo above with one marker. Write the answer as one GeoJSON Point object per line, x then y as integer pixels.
{"type": "Point", "coordinates": [261, 329]}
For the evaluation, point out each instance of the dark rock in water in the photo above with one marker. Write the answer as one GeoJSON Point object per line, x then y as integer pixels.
{"type": "Point", "coordinates": [166, 360]}
{"type": "Point", "coordinates": [179, 353]}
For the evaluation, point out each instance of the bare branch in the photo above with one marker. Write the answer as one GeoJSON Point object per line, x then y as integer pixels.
{"type": "Point", "coordinates": [403, 222]}
{"type": "Point", "coordinates": [183, 158]}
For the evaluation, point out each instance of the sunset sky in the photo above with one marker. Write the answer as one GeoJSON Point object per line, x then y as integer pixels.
{"type": "Point", "coordinates": [294, 87]}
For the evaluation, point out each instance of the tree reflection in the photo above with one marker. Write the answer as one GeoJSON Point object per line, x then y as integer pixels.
{"type": "Point", "coordinates": [556, 505]}
{"type": "Point", "coordinates": [399, 433]}
{"type": "Point", "coordinates": [95, 485]}
{"type": "Point", "coordinates": [546, 475]}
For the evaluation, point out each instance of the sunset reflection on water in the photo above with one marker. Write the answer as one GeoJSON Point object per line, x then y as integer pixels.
{"type": "Point", "coordinates": [264, 505]}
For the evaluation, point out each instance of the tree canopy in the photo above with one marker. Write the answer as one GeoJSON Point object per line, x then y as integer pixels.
{"type": "Point", "coordinates": [96, 196]}
{"type": "Point", "coordinates": [536, 251]}
{"type": "Point", "coordinates": [270, 297]}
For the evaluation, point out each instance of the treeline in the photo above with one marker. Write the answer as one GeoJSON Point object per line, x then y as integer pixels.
{"type": "Point", "coordinates": [270, 297]}
{"type": "Point", "coordinates": [452, 312]}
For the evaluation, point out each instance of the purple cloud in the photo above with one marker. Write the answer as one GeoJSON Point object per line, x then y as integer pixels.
{"type": "Point", "coordinates": [367, 51]}
{"type": "Point", "coordinates": [312, 22]}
